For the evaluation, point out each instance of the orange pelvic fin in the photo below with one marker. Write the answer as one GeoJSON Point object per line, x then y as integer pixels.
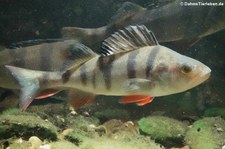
{"type": "Point", "coordinates": [46, 93]}
{"type": "Point", "coordinates": [144, 102]}
{"type": "Point", "coordinates": [78, 98]}
{"type": "Point", "coordinates": [138, 99]}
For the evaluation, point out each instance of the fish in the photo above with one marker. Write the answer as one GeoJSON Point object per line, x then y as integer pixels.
{"type": "Point", "coordinates": [132, 64]}
{"type": "Point", "coordinates": [171, 23]}
{"type": "Point", "coordinates": [55, 56]}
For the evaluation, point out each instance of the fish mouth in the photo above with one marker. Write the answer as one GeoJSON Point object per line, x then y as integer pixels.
{"type": "Point", "coordinates": [202, 77]}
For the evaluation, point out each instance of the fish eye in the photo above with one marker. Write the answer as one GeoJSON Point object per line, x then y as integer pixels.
{"type": "Point", "coordinates": [185, 68]}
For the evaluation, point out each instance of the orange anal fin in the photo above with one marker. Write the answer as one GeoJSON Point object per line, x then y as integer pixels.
{"type": "Point", "coordinates": [134, 99]}
{"type": "Point", "coordinates": [46, 93]}
{"type": "Point", "coordinates": [144, 102]}
{"type": "Point", "coordinates": [78, 98]}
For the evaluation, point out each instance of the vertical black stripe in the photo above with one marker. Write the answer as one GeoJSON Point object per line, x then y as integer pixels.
{"type": "Point", "coordinates": [45, 79]}
{"type": "Point", "coordinates": [66, 76]}
{"type": "Point", "coordinates": [131, 63]}
{"type": "Point", "coordinates": [105, 65]}
{"type": "Point", "coordinates": [94, 79]}
{"type": "Point", "coordinates": [83, 74]}
{"type": "Point", "coordinates": [150, 61]}
{"type": "Point", "coordinates": [45, 57]}
{"type": "Point", "coordinates": [18, 56]}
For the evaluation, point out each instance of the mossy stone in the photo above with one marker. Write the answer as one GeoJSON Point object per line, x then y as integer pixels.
{"type": "Point", "coordinates": [22, 145]}
{"type": "Point", "coordinates": [212, 112]}
{"type": "Point", "coordinates": [81, 129]}
{"type": "Point", "coordinates": [24, 124]}
{"type": "Point", "coordinates": [163, 129]}
{"type": "Point", "coordinates": [206, 133]}
{"type": "Point", "coordinates": [110, 143]}
{"type": "Point", "coordinates": [63, 145]}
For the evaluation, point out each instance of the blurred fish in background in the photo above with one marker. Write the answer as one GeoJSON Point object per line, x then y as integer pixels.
{"type": "Point", "coordinates": [172, 22]}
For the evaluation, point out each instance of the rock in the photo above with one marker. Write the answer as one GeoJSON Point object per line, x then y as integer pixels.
{"type": "Point", "coordinates": [204, 134]}
{"type": "Point", "coordinates": [113, 128]}
{"type": "Point", "coordinates": [35, 141]}
{"type": "Point", "coordinates": [24, 124]}
{"type": "Point", "coordinates": [163, 129]}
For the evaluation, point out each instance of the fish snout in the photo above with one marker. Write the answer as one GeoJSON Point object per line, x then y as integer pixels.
{"type": "Point", "coordinates": [205, 74]}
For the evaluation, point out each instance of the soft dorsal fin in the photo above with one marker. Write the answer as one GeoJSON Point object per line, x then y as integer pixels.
{"type": "Point", "coordinates": [127, 10]}
{"type": "Point", "coordinates": [33, 42]}
{"type": "Point", "coordinates": [128, 39]}
{"type": "Point", "coordinates": [77, 55]}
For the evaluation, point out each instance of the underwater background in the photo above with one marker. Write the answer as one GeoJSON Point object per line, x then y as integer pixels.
{"type": "Point", "coordinates": [193, 119]}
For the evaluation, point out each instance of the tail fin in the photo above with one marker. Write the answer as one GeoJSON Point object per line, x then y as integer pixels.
{"type": "Point", "coordinates": [87, 36]}
{"type": "Point", "coordinates": [29, 83]}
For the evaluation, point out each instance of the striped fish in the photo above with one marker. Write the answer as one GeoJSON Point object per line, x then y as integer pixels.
{"type": "Point", "coordinates": [131, 64]}
{"type": "Point", "coordinates": [170, 23]}
{"type": "Point", "coordinates": [55, 56]}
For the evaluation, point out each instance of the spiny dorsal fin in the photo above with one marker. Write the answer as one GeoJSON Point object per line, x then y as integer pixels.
{"type": "Point", "coordinates": [77, 55]}
{"type": "Point", "coordinates": [131, 38]}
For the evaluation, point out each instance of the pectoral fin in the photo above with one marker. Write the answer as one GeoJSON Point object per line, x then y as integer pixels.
{"type": "Point", "coordinates": [140, 100]}
{"type": "Point", "coordinates": [137, 85]}
{"type": "Point", "coordinates": [78, 98]}
{"type": "Point", "coordinates": [76, 55]}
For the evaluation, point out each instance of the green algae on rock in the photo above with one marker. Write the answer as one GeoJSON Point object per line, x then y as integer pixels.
{"type": "Point", "coordinates": [24, 124]}
{"type": "Point", "coordinates": [206, 133]}
{"type": "Point", "coordinates": [63, 145]}
{"type": "Point", "coordinates": [81, 128]}
{"type": "Point", "coordinates": [117, 143]}
{"type": "Point", "coordinates": [20, 144]}
{"type": "Point", "coordinates": [212, 112]}
{"type": "Point", "coordinates": [163, 129]}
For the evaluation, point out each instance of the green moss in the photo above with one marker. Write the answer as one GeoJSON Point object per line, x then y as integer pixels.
{"type": "Point", "coordinates": [23, 124]}
{"type": "Point", "coordinates": [81, 129]}
{"type": "Point", "coordinates": [79, 121]}
{"type": "Point", "coordinates": [212, 112]}
{"type": "Point", "coordinates": [207, 133]}
{"type": "Point", "coordinates": [14, 111]}
{"type": "Point", "coordinates": [163, 129]}
{"type": "Point", "coordinates": [63, 145]}
{"type": "Point", "coordinates": [79, 136]}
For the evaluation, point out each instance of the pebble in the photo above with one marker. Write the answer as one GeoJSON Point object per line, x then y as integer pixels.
{"type": "Point", "coordinates": [46, 146]}
{"type": "Point", "coordinates": [35, 141]}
